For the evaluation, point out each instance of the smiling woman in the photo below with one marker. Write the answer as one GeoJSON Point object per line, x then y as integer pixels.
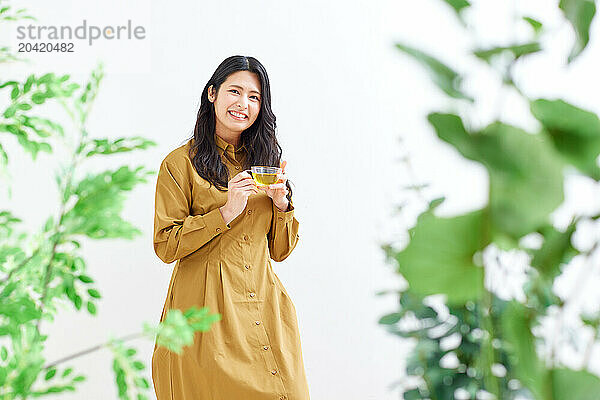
{"type": "Point", "coordinates": [239, 85]}
{"type": "Point", "coordinates": [223, 232]}
{"type": "Point", "coordinates": [239, 100]}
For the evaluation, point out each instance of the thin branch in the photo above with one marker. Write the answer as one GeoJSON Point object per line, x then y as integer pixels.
{"type": "Point", "coordinates": [21, 265]}
{"type": "Point", "coordinates": [93, 349]}
{"type": "Point", "coordinates": [68, 182]}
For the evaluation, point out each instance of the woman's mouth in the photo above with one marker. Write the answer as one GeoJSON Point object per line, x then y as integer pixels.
{"type": "Point", "coordinates": [237, 116]}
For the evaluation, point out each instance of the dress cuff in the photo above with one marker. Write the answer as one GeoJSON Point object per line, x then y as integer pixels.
{"type": "Point", "coordinates": [283, 216]}
{"type": "Point", "coordinates": [214, 222]}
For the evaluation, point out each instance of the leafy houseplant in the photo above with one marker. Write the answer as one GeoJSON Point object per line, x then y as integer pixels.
{"type": "Point", "coordinates": [495, 352]}
{"type": "Point", "coordinates": [41, 270]}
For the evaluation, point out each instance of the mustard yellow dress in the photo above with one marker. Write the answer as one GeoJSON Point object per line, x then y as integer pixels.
{"type": "Point", "coordinates": [254, 351]}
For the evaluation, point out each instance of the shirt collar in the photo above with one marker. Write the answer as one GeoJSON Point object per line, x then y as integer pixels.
{"type": "Point", "coordinates": [223, 145]}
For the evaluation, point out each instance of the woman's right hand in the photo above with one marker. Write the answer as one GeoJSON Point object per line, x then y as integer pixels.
{"type": "Point", "coordinates": [239, 188]}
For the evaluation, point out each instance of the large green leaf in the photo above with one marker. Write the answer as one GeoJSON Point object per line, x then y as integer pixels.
{"type": "Point", "coordinates": [515, 51]}
{"type": "Point", "coordinates": [516, 329]}
{"type": "Point", "coordinates": [580, 14]}
{"type": "Point", "coordinates": [574, 131]}
{"type": "Point", "coordinates": [443, 76]}
{"type": "Point", "coordinates": [556, 250]}
{"type": "Point", "coordinates": [439, 256]}
{"type": "Point", "coordinates": [450, 128]}
{"type": "Point", "coordinates": [568, 384]}
{"type": "Point", "coordinates": [526, 182]}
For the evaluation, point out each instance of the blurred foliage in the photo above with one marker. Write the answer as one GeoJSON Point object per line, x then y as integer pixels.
{"type": "Point", "coordinates": [479, 346]}
{"type": "Point", "coordinates": [42, 270]}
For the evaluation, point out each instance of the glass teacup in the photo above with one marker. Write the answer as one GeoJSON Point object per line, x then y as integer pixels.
{"type": "Point", "coordinates": [264, 176]}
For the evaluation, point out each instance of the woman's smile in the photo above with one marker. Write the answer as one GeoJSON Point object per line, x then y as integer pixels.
{"type": "Point", "coordinates": [237, 116]}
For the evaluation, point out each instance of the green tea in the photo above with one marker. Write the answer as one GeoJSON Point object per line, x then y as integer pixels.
{"type": "Point", "coordinates": [264, 179]}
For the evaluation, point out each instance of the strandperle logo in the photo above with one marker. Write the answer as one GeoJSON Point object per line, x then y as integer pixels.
{"type": "Point", "coordinates": [84, 31]}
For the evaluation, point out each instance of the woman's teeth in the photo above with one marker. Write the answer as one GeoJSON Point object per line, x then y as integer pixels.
{"type": "Point", "coordinates": [236, 115]}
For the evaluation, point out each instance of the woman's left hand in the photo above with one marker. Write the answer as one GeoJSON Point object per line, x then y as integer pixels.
{"type": "Point", "coordinates": [278, 191]}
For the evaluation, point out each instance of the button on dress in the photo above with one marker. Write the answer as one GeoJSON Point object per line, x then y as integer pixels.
{"type": "Point", "coordinates": [254, 351]}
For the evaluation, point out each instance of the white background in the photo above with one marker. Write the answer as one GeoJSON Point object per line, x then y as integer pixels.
{"type": "Point", "coordinates": [343, 97]}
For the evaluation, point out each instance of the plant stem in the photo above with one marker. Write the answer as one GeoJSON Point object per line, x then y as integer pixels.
{"type": "Point", "coordinates": [487, 353]}
{"type": "Point", "coordinates": [63, 201]}
{"type": "Point", "coordinates": [93, 348]}
{"type": "Point", "coordinates": [417, 188]}
{"type": "Point", "coordinates": [430, 385]}
{"type": "Point", "coordinates": [487, 348]}
{"type": "Point", "coordinates": [20, 266]}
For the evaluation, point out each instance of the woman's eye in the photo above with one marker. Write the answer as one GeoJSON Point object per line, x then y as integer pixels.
{"type": "Point", "coordinates": [234, 90]}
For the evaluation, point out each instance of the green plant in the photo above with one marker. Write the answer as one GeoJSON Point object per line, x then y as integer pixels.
{"type": "Point", "coordinates": [40, 271]}
{"type": "Point", "coordinates": [498, 355]}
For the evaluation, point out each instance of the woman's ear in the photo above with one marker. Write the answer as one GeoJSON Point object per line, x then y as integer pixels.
{"type": "Point", "coordinates": [211, 94]}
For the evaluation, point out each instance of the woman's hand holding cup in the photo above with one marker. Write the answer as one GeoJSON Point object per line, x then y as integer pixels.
{"type": "Point", "coordinates": [278, 191]}
{"type": "Point", "coordinates": [239, 188]}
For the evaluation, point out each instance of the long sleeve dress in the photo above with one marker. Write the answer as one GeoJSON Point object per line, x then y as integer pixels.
{"type": "Point", "coordinates": [254, 351]}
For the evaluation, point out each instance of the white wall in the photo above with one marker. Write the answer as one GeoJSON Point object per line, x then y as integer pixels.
{"type": "Point", "coordinates": [343, 97]}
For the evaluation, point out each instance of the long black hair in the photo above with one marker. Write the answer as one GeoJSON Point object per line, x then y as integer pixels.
{"type": "Point", "coordinates": [259, 139]}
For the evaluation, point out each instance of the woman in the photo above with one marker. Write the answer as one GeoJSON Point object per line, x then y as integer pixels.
{"type": "Point", "coordinates": [223, 230]}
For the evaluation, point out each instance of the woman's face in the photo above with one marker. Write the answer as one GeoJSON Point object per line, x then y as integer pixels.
{"type": "Point", "coordinates": [239, 93]}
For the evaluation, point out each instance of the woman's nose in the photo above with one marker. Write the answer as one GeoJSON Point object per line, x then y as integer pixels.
{"type": "Point", "coordinates": [242, 103]}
